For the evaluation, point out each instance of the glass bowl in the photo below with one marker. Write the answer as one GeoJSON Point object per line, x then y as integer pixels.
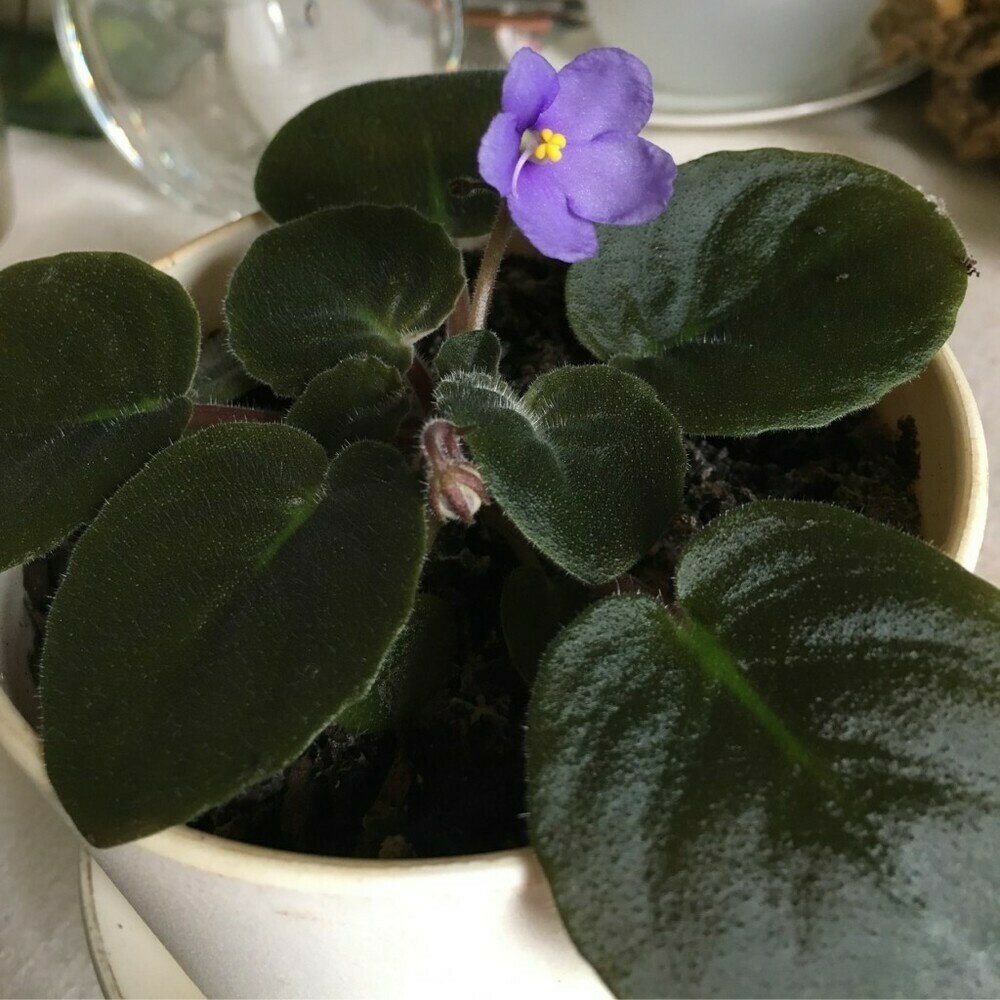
{"type": "Point", "coordinates": [190, 91]}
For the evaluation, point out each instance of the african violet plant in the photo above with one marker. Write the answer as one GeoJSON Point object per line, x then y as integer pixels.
{"type": "Point", "coordinates": [785, 780]}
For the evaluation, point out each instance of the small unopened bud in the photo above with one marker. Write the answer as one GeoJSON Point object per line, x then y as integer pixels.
{"type": "Point", "coordinates": [455, 489]}
{"type": "Point", "coordinates": [457, 493]}
{"type": "Point", "coordinates": [441, 444]}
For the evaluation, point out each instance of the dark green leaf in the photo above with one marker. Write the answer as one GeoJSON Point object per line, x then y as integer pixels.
{"type": "Point", "coordinates": [790, 786]}
{"type": "Point", "coordinates": [96, 353]}
{"type": "Point", "coordinates": [477, 350]}
{"type": "Point", "coordinates": [414, 668]}
{"type": "Point", "coordinates": [342, 282]}
{"type": "Point", "coordinates": [222, 608]}
{"type": "Point", "coordinates": [360, 399]}
{"type": "Point", "coordinates": [588, 464]}
{"type": "Point", "coordinates": [778, 290]}
{"type": "Point", "coordinates": [407, 142]}
{"type": "Point", "coordinates": [533, 609]}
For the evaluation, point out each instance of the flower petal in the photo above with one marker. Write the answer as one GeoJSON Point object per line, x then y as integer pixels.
{"type": "Point", "coordinates": [499, 151]}
{"type": "Point", "coordinates": [617, 178]}
{"type": "Point", "coordinates": [599, 91]}
{"type": "Point", "coordinates": [541, 212]}
{"type": "Point", "coordinates": [529, 87]}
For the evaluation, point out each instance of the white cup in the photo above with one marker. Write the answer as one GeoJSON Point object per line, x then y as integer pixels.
{"type": "Point", "coordinates": [734, 55]}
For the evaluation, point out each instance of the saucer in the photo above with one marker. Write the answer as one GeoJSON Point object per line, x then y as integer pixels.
{"type": "Point", "coordinates": [129, 961]}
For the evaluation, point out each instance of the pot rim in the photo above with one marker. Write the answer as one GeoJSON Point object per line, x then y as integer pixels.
{"type": "Point", "coordinates": [266, 866]}
{"type": "Point", "coordinates": [965, 544]}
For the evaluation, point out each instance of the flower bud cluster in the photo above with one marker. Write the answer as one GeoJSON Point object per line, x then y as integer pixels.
{"type": "Point", "coordinates": [455, 489]}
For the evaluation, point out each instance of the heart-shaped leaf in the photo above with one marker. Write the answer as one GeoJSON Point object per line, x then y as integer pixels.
{"type": "Point", "coordinates": [407, 142]}
{"type": "Point", "coordinates": [416, 665]}
{"type": "Point", "coordinates": [96, 353]}
{"type": "Point", "coordinates": [778, 290]}
{"type": "Point", "coordinates": [588, 464]}
{"type": "Point", "coordinates": [342, 282]}
{"type": "Point", "coordinates": [221, 609]}
{"type": "Point", "coordinates": [361, 399]}
{"type": "Point", "coordinates": [790, 786]}
{"type": "Point", "coordinates": [477, 350]}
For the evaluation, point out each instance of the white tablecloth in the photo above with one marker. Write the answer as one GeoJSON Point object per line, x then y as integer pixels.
{"type": "Point", "coordinates": [74, 194]}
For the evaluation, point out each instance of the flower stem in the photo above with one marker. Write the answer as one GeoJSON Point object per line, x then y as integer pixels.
{"type": "Point", "coordinates": [490, 266]}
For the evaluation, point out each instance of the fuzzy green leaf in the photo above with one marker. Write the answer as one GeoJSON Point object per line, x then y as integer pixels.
{"type": "Point", "coordinates": [407, 142]}
{"type": "Point", "coordinates": [96, 353]}
{"type": "Point", "coordinates": [790, 787]}
{"type": "Point", "coordinates": [221, 609]}
{"type": "Point", "coordinates": [588, 464]}
{"type": "Point", "coordinates": [414, 668]}
{"type": "Point", "coordinates": [360, 399]}
{"type": "Point", "coordinates": [342, 282]}
{"type": "Point", "coordinates": [477, 350]}
{"type": "Point", "coordinates": [778, 290]}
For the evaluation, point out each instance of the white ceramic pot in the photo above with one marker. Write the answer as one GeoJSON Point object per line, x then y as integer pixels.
{"type": "Point", "coordinates": [245, 921]}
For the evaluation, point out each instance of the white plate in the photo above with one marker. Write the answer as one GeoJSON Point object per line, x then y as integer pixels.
{"type": "Point", "coordinates": [865, 78]}
{"type": "Point", "coordinates": [129, 961]}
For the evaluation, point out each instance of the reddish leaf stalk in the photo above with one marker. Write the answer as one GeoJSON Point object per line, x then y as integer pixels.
{"type": "Point", "coordinates": [422, 383]}
{"type": "Point", "coordinates": [208, 414]}
{"type": "Point", "coordinates": [461, 315]}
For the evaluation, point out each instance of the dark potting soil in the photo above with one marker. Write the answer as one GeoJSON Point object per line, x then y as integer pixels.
{"type": "Point", "coordinates": [449, 783]}
{"type": "Point", "coordinates": [452, 782]}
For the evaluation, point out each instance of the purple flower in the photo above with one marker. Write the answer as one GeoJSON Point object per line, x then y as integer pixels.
{"type": "Point", "coordinates": [565, 152]}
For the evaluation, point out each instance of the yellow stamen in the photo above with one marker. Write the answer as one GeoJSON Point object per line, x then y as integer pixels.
{"type": "Point", "coordinates": [539, 146]}
{"type": "Point", "coordinates": [550, 146]}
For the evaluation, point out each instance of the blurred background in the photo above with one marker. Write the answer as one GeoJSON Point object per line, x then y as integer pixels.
{"type": "Point", "coordinates": [189, 91]}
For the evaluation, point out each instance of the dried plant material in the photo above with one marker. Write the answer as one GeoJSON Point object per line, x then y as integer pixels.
{"type": "Point", "coordinates": [960, 41]}
{"type": "Point", "coordinates": [950, 8]}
